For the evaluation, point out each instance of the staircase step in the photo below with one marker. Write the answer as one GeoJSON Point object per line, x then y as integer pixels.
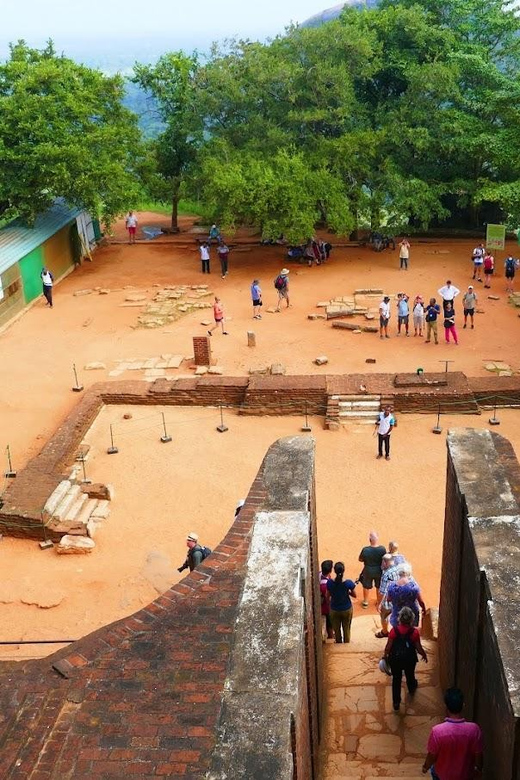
{"type": "Point", "coordinates": [88, 508]}
{"type": "Point", "coordinates": [65, 505]}
{"type": "Point", "coordinates": [365, 421]}
{"type": "Point", "coordinates": [359, 405]}
{"type": "Point", "coordinates": [358, 397]}
{"type": "Point", "coordinates": [76, 508]}
{"type": "Point", "coordinates": [57, 496]}
{"type": "Point", "coordinates": [358, 413]}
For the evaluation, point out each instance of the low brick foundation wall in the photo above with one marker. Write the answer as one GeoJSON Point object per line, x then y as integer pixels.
{"type": "Point", "coordinates": [25, 497]}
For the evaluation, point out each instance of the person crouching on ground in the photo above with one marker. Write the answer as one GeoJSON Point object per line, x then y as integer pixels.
{"type": "Point", "coordinates": [195, 554]}
{"type": "Point", "coordinates": [341, 591]}
{"type": "Point", "coordinates": [404, 642]}
{"type": "Point", "coordinates": [218, 316]}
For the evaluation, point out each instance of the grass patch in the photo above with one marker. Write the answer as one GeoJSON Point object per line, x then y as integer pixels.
{"type": "Point", "coordinates": [186, 207]}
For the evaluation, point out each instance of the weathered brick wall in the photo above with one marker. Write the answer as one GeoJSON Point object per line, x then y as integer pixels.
{"type": "Point", "coordinates": [144, 696]}
{"type": "Point", "coordinates": [479, 617]}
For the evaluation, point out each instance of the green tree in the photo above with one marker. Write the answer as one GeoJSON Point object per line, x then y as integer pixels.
{"type": "Point", "coordinates": [172, 84]}
{"type": "Point", "coordinates": [63, 133]}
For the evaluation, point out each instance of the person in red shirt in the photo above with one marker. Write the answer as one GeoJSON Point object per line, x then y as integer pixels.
{"type": "Point", "coordinates": [489, 267]}
{"type": "Point", "coordinates": [404, 642]}
{"type": "Point", "coordinates": [455, 746]}
{"type": "Point", "coordinates": [218, 316]}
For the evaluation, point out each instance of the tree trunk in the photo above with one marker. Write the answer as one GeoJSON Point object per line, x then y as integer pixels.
{"type": "Point", "coordinates": [175, 207]}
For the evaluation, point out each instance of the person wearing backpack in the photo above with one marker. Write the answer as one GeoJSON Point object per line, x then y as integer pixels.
{"type": "Point", "coordinates": [404, 643]}
{"type": "Point", "coordinates": [281, 284]}
{"type": "Point", "coordinates": [510, 265]}
{"type": "Point", "coordinates": [196, 553]}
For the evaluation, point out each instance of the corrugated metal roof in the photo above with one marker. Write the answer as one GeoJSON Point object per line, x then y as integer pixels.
{"type": "Point", "coordinates": [17, 240]}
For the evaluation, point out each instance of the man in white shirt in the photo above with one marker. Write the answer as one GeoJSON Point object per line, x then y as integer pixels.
{"type": "Point", "coordinates": [448, 294]}
{"type": "Point", "coordinates": [47, 281]}
{"type": "Point", "coordinates": [204, 257]}
{"type": "Point", "coordinates": [384, 427]}
{"type": "Point", "coordinates": [384, 316]}
{"type": "Point", "coordinates": [131, 226]}
{"type": "Point", "coordinates": [478, 261]}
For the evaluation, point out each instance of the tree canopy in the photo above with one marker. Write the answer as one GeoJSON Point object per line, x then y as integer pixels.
{"type": "Point", "coordinates": [63, 133]}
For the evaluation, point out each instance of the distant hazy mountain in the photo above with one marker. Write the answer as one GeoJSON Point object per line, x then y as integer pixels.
{"type": "Point", "coordinates": [334, 12]}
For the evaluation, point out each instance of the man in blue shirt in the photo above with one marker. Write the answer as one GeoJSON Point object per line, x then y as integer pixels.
{"type": "Point", "coordinates": [432, 312]}
{"type": "Point", "coordinates": [403, 313]}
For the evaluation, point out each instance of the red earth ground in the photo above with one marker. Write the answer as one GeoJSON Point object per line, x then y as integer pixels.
{"type": "Point", "coordinates": [164, 491]}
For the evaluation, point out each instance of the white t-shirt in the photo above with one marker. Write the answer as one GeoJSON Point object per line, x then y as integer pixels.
{"type": "Point", "coordinates": [448, 293]}
{"type": "Point", "coordinates": [384, 309]}
{"type": "Point", "coordinates": [418, 310]}
{"type": "Point", "coordinates": [47, 279]}
{"type": "Point", "coordinates": [131, 221]}
{"type": "Point", "coordinates": [478, 255]}
{"type": "Point", "coordinates": [385, 423]}
{"type": "Point", "coordinates": [404, 251]}
{"type": "Point", "coordinates": [204, 253]}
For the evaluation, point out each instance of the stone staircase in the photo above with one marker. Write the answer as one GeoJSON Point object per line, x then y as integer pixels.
{"type": "Point", "coordinates": [364, 738]}
{"type": "Point", "coordinates": [358, 408]}
{"type": "Point", "coordinates": [69, 510]}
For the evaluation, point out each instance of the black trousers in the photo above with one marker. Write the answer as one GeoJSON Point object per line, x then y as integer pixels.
{"type": "Point", "coordinates": [397, 676]}
{"type": "Point", "coordinates": [205, 266]}
{"type": "Point", "coordinates": [383, 440]}
{"type": "Point", "coordinates": [47, 291]}
{"type": "Point", "coordinates": [224, 265]}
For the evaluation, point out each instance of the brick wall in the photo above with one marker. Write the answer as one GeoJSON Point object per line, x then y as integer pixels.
{"type": "Point", "coordinates": [202, 350]}
{"type": "Point", "coordinates": [146, 696]}
{"type": "Point", "coordinates": [479, 616]}
{"type": "Point", "coordinates": [258, 395]}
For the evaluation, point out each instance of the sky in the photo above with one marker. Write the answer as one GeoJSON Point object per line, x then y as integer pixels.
{"type": "Point", "coordinates": [178, 20]}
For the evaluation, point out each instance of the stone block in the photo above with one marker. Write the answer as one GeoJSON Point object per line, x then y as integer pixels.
{"type": "Point", "coordinates": [135, 298]}
{"type": "Point", "coordinates": [370, 329]}
{"type": "Point", "coordinates": [94, 366]}
{"type": "Point", "coordinates": [251, 338]}
{"type": "Point", "coordinates": [370, 360]}
{"type": "Point", "coordinates": [101, 511]}
{"type": "Point", "coordinates": [345, 325]}
{"type": "Point", "coordinates": [104, 291]}
{"type": "Point", "coordinates": [278, 369]}
{"type": "Point", "coordinates": [97, 490]}
{"type": "Point", "coordinates": [322, 304]}
{"type": "Point", "coordinates": [83, 292]}
{"type": "Point", "coordinates": [258, 370]}
{"type": "Point", "coordinates": [75, 545]}
{"type": "Point", "coordinates": [322, 360]}
{"type": "Point", "coordinates": [218, 370]}
{"type": "Point", "coordinates": [154, 373]}
{"type": "Point", "coordinates": [494, 297]}
{"type": "Point", "coordinates": [201, 370]}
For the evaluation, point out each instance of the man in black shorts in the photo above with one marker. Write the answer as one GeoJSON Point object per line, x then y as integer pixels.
{"type": "Point", "coordinates": [371, 557]}
{"type": "Point", "coordinates": [469, 301]}
{"type": "Point", "coordinates": [510, 266]}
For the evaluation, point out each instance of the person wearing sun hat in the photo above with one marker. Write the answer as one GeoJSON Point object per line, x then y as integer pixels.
{"type": "Point", "coordinates": [281, 284]}
{"type": "Point", "coordinates": [195, 554]}
{"type": "Point", "coordinates": [418, 315]}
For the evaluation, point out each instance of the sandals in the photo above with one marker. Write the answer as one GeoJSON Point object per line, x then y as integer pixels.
{"type": "Point", "coordinates": [381, 635]}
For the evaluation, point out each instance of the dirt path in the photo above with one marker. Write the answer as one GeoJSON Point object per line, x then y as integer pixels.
{"type": "Point", "coordinates": [165, 490]}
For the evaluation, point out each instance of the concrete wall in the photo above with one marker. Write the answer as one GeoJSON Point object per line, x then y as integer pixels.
{"type": "Point", "coordinates": [479, 618]}
{"type": "Point", "coordinates": [12, 300]}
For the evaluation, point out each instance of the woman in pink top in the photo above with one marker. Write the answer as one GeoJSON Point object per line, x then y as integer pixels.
{"type": "Point", "coordinates": [489, 267]}
{"type": "Point", "coordinates": [218, 315]}
{"type": "Point", "coordinates": [455, 746]}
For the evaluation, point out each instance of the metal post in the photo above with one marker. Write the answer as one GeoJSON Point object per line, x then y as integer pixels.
{"type": "Point", "coordinates": [222, 428]}
{"type": "Point", "coordinates": [77, 387]}
{"type": "Point", "coordinates": [165, 438]}
{"type": "Point", "coordinates": [494, 420]}
{"type": "Point", "coordinates": [112, 450]}
{"type": "Point", "coordinates": [85, 480]}
{"type": "Point", "coordinates": [46, 544]}
{"type": "Point", "coordinates": [446, 364]}
{"type": "Point", "coordinates": [10, 473]}
{"type": "Point", "coordinates": [437, 428]}
{"type": "Point", "coordinates": [306, 427]}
